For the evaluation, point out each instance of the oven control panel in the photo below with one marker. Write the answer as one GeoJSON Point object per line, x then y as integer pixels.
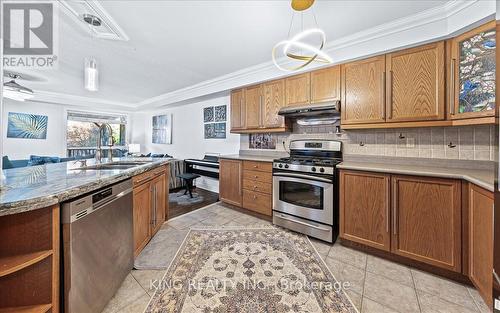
{"type": "Point", "coordinates": [304, 168]}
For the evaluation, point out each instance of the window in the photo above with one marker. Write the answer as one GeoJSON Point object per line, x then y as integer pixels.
{"type": "Point", "coordinates": [83, 131]}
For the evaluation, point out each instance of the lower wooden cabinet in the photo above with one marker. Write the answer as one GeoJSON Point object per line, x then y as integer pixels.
{"type": "Point", "coordinates": [230, 175]}
{"type": "Point", "coordinates": [480, 213]}
{"type": "Point", "coordinates": [246, 184]}
{"type": "Point", "coordinates": [150, 205]}
{"type": "Point", "coordinates": [426, 218]}
{"type": "Point", "coordinates": [365, 215]}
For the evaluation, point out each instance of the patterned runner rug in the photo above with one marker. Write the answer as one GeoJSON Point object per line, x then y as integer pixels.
{"type": "Point", "coordinates": [248, 270]}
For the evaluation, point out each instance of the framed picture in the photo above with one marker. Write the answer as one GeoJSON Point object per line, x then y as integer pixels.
{"type": "Point", "coordinates": [215, 131]}
{"type": "Point", "coordinates": [220, 113]}
{"type": "Point", "coordinates": [27, 126]}
{"type": "Point", "coordinates": [208, 114]}
{"type": "Point", "coordinates": [162, 129]}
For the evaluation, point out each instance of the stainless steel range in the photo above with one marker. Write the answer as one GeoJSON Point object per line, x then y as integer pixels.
{"type": "Point", "coordinates": [305, 188]}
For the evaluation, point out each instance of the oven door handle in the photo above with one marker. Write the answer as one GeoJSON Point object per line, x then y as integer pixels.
{"type": "Point", "coordinates": [325, 180]}
{"type": "Point", "coordinates": [301, 223]}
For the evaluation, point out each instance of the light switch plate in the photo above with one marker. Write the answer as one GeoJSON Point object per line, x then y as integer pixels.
{"type": "Point", "coordinates": [410, 142]}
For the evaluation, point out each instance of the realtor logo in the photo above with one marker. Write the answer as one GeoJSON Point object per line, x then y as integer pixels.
{"type": "Point", "coordinates": [29, 31]}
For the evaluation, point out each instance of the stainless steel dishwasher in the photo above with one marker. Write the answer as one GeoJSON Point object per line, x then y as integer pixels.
{"type": "Point", "coordinates": [98, 247]}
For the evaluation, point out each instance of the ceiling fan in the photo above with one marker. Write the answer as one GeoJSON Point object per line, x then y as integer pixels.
{"type": "Point", "coordinates": [13, 90]}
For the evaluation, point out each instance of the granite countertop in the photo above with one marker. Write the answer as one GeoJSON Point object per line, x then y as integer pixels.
{"type": "Point", "coordinates": [482, 177]}
{"type": "Point", "coordinates": [249, 157]}
{"type": "Point", "coordinates": [30, 188]}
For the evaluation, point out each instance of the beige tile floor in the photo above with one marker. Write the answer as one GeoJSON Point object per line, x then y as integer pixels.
{"type": "Point", "coordinates": [376, 285]}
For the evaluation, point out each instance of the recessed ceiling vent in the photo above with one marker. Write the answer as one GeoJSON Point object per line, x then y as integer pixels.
{"type": "Point", "coordinates": [79, 9]}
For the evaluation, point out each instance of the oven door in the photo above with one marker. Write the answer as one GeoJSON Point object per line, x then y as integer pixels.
{"type": "Point", "coordinates": [306, 196]}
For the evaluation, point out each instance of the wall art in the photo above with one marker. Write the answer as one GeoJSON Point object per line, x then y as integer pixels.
{"type": "Point", "coordinates": [27, 126]}
{"type": "Point", "coordinates": [162, 129]}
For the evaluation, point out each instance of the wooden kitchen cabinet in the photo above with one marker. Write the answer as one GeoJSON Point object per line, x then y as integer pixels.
{"type": "Point", "coordinates": [230, 176]}
{"type": "Point", "coordinates": [416, 84]}
{"type": "Point", "coordinates": [471, 80]}
{"type": "Point", "coordinates": [325, 84]}
{"type": "Point", "coordinates": [426, 220]}
{"type": "Point", "coordinates": [237, 109]}
{"type": "Point", "coordinates": [253, 106]}
{"type": "Point", "coordinates": [480, 213]}
{"type": "Point", "coordinates": [274, 100]}
{"type": "Point", "coordinates": [150, 205]}
{"type": "Point", "coordinates": [298, 89]}
{"type": "Point", "coordinates": [363, 91]}
{"type": "Point", "coordinates": [365, 216]}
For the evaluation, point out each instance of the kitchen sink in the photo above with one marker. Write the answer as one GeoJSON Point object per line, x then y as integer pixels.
{"type": "Point", "coordinates": [119, 165]}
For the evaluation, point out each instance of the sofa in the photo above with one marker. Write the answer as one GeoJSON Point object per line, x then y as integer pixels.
{"type": "Point", "coordinates": [37, 160]}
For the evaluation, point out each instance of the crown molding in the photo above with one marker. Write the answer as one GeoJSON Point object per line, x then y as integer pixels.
{"type": "Point", "coordinates": [67, 99]}
{"type": "Point", "coordinates": [432, 24]}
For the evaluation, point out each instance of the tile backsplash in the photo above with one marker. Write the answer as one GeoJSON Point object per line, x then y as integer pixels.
{"type": "Point", "coordinates": [459, 143]}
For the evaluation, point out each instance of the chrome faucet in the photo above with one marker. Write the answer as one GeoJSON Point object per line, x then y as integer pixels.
{"type": "Point", "coordinates": [98, 153]}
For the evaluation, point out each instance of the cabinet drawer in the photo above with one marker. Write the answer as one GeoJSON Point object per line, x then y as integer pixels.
{"type": "Point", "coordinates": [258, 166]}
{"type": "Point", "coordinates": [257, 202]}
{"type": "Point", "coordinates": [146, 176]}
{"type": "Point", "coordinates": [264, 177]}
{"type": "Point", "coordinates": [253, 185]}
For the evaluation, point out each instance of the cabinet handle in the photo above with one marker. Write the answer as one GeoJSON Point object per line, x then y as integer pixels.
{"type": "Point", "coordinates": [239, 180]}
{"type": "Point", "coordinates": [255, 177]}
{"type": "Point", "coordinates": [452, 88]}
{"type": "Point", "coordinates": [387, 206]}
{"type": "Point", "coordinates": [394, 207]}
{"type": "Point", "coordinates": [261, 124]}
{"type": "Point", "coordinates": [255, 197]}
{"type": "Point", "coordinates": [255, 166]}
{"type": "Point", "coordinates": [390, 95]}
{"type": "Point", "coordinates": [384, 93]}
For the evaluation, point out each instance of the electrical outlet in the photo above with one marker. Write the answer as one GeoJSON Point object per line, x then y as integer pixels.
{"type": "Point", "coordinates": [497, 304]}
{"type": "Point", "coordinates": [410, 142]}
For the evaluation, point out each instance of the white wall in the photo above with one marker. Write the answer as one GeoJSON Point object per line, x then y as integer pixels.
{"type": "Point", "coordinates": [54, 145]}
{"type": "Point", "coordinates": [187, 135]}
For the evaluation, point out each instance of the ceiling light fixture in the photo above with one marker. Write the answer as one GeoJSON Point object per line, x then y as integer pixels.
{"type": "Point", "coordinates": [91, 71]}
{"type": "Point", "coordinates": [298, 47]}
{"type": "Point", "coordinates": [15, 91]}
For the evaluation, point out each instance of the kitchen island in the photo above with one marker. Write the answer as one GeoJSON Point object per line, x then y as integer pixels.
{"type": "Point", "coordinates": [30, 221]}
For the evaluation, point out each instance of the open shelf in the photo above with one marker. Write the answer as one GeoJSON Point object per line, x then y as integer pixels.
{"type": "Point", "coordinates": [11, 264]}
{"type": "Point", "coordinates": [42, 308]}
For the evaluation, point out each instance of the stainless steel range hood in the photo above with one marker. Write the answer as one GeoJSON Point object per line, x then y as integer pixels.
{"type": "Point", "coordinates": [326, 109]}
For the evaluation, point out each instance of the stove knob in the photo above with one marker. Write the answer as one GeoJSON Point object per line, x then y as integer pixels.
{"type": "Point", "coordinates": [322, 170]}
{"type": "Point", "coordinates": [286, 166]}
{"type": "Point", "coordinates": [313, 169]}
{"type": "Point", "coordinates": [280, 165]}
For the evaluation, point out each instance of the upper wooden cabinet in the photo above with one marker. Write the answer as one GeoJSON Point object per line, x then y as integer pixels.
{"type": "Point", "coordinates": [416, 84]}
{"type": "Point", "coordinates": [471, 81]}
{"type": "Point", "coordinates": [298, 89]}
{"type": "Point", "coordinates": [363, 91]}
{"type": "Point", "coordinates": [253, 106]}
{"type": "Point", "coordinates": [325, 84]}
{"type": "Point", "coordinates": [364, 216]}
{"type": "Point", "coordinates": [480, 212]}
{"type": "Point", "coordinates": [274, 100]}
{"type": "Point", "coordinates": [427, 220]}
{"type": "Point", "coordinates": [230, 178]}
{"type": "Point", "coordinates": [237, 109]}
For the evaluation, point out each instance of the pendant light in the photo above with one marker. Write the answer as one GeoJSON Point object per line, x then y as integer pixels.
{"type": "Point", "coordinates": [91, 71]}
{"type": "Point", "coordinates": [297, 48]}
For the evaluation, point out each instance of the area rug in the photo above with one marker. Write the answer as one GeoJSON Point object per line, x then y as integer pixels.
{"type": "Point", "coordinates": [184, 199]}
{"type": "Point", "coordinates": [248, 270]}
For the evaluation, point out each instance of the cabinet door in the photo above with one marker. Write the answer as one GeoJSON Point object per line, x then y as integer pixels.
{"type": "Point", "coordinates": [364, 216]}
{"type": "Point", "coordinates": [274, 100]}
{"type": "Point", "coordinates": [298, 89]}
{"type": "Point", "coordinates": [415, 84]}
{"type": "Point", "coordinates": [481, 241]}
{"type": "Point", "coordinates": [237, 110]}
{"type": "Point", "coordinates": [472, 73]}
{"type": "Point", "coordinates": [325, 84]}
{"type": "Point", "coordinates": [427, 220]}
{"type": "Point", "coordinates": [230, 190]}
{"type": "Point", "coordinates": [158, 205]}
{"type": "Point", "coordinates": [253, 107]}
{"type": "Point", "coordinates": [363, 91]}
{"type": "Point", "coordinates": [142, 217]}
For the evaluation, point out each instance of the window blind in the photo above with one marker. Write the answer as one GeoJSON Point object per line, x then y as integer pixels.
{"type": "Point", "coordinates": [97, 117]}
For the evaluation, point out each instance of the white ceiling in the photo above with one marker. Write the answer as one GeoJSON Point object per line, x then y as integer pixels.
{"type": "Point", "coordinates": [177, 44]}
